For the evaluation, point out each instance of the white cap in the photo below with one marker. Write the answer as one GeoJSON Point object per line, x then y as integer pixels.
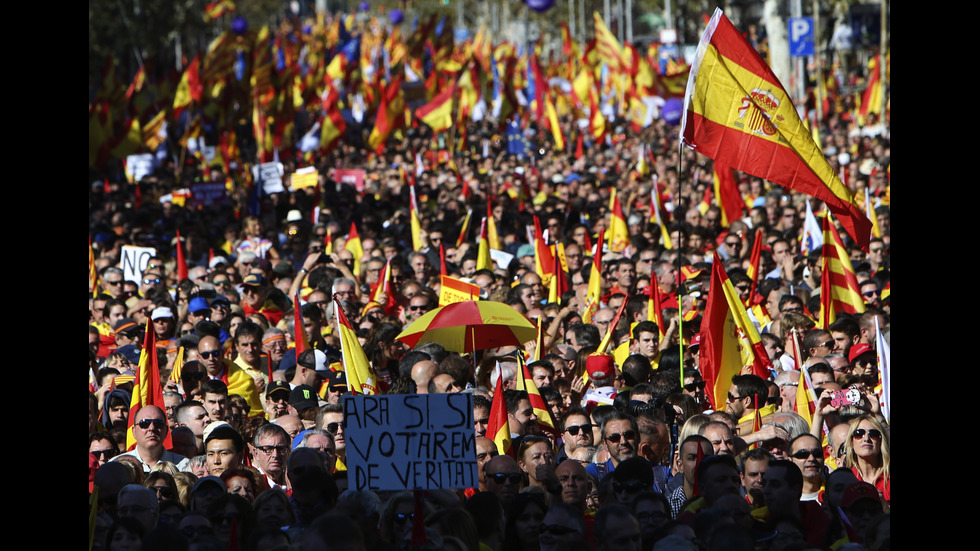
{"type": "Point", "coordinates": [162, 312]}
{"type": "Point", "coordinates": [217, 260]}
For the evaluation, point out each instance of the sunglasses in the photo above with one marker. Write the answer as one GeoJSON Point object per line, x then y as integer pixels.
{"type": "Point", "coordinates": [691, 387]}
{"type": "Point", "coordinates": [500, 478]}
{"type": "Point", "coordinates": [208, 354]}
{"type": "Point", "coordinates": [873, 433]}
{"type": "Point", "coordinates": [153, 281]}
{"type": "Point", "coordinates": [732, 398]}
{"type": "Point", "coordinates": [557, 530]}
{"type": "Point", "coordinates": [103, 453]}
{"type": "Point", "coordinates": [332, 428]}
{"type": "Point", "coordinates": [573, 429]}
{"type": "Point", "coordinates": [804, 453]}
{"type": "Point", "coordinates": [615, 438]}
{"type": "Point", "coordinates": [164, 491]}
{"type": "Point", "coordinates": [414, 308]}
{"type": "Point", "coordinates": [870, 293]}
{"type": "Point", "coordinates": [400, 518]}
{"type": "Point", "coordinates": [114, 283]}
{"type": "Point", "coordinates": [147, 423]}
{"type": "Point", "coordinates": [222, 282]}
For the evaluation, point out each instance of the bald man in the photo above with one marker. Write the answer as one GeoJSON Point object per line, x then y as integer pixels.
{"type": "Point", "coordinates": [422, 373]}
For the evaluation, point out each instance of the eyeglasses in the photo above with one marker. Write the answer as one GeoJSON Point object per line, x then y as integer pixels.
{"type": "Point", "coordinates": [283, 450]}
{"type": "Point", "coordinates": [501, 478]}
{"type": "Point", "coordinates": [573, 429]}
{"type": "Point", "coordinates": [804, 453]}
{"type": "Point", "coordinates": [691, 387]}
{"type": "Point", "coordinates": [873, 433]}
{"type": "Point", "coordinates": [164, 491]}
{"type": "Point", "coordinates": [107, 453]}
{"type": "Point", "coordinates": [332, 428]}
{"type": "Point", "coordinates": [147, 423]}
{"type": "Point", "coordinates": [629, 487]}
{"type": "Point", "coordinates": [208, 354]}
{"type": "Point", "coordinates": [615, 438]}
{"type": "Point", "coordinates": [151, 281]}
{"type": "Point", "coordinates": [400, 518]}
{"type": "Point", "coordinates": [557, 530]}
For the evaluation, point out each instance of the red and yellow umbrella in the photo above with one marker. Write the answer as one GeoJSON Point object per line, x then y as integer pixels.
{"type": "Point", "coordinates": [470, 325]}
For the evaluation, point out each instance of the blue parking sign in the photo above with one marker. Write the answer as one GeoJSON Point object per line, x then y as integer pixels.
{"type": "Point", "coordinates": [800, 36]}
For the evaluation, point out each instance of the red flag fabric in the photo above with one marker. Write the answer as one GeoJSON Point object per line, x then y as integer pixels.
{"type": "Point", "coordinates": [497, 427]}
{"type": "Point", "coordinates": [181, 260]}
{"type": "Point", "coordinates": [298, 327]}
{"type": "Point", "coordinates": [147, 389]}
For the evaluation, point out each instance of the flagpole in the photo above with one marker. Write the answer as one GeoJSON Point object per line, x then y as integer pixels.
{"type": "Point", "coordinates": [677, 247]}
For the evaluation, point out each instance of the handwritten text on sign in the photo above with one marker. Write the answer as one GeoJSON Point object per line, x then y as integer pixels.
{"type": "Point", "coordinates": [410, 441]}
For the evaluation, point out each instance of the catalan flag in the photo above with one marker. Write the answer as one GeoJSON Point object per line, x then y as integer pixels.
{"type": "Point", "coordinates": [147, 390]}
{"type": "Point", "coordinates": [609, 48]}
{"type": "Point", "coordinates": [360, 379]}
{"type": "Point", "coordinates": [736, 111]}
{"type": "Point", "coordinates": [839, 290]}
{"type": "Point", "coordinates": [498, 429]}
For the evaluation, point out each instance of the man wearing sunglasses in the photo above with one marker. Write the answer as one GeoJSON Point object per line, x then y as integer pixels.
{"type": "Point", "coordinates": [503, 477]}
{"type": "Point", "coordinates": [577, 432]}
{"type": "Point", "coordinates": [150, 430]}
{"type": "Point", "coordinates": [620, 436]}
{"type": "Point", "coordinates": [805, 450]}
{"type": "Point", "coordinates": [237, 380]}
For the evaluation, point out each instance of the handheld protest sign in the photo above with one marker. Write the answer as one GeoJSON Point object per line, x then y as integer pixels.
{"type": "Point", "coordinates": [410, 441]}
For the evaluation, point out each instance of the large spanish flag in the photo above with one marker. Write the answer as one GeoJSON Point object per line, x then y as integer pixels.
{"type": "Point", "coordinates": [526, 382]}
{"type": "Point", "coordinates": [839, 290]}
{"type": "Point", "coordinates": [720, 354]}
{"type": "Point", "coordinates": [737, 112]}
{"type": "Point", "coordinates": [147, 390]}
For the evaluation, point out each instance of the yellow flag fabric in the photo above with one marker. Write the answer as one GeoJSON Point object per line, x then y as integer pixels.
{"type": "Point", "coordinates": [360, 379]}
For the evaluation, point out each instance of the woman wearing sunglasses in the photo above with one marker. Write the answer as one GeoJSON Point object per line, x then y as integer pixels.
{"type": "Point", "coordinates": [868, 454]}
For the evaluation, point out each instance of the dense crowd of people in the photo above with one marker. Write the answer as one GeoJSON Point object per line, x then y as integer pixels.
{"type": "Point", "coordinates": [249, 450]}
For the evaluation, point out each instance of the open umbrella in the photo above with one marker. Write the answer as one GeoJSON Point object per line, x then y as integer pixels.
{"type": "Point", "coordinates": [470, 325]}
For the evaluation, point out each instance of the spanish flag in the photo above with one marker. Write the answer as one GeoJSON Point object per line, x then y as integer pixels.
{"type": "Point", "coordinates": [93, 274]}
{"type": "Point", "coordinates": [438, 113]}
{"type": "Point", "coordinates": [544, 260]}
{"type": "Point", "coordinates": [721, 348]}
{"type": "Point", "coordinates": [353, 245]}
{"type": "Point", "coordinates": [657, 217]}
{"type": "Point", "coordinates": [493, 238]}
{"type": "Point", "coordinates": [737, 112]}
{"type": "Point", "coordinates": [526, 382]}
{"type": "Point", "coordinates": [216, 9]}
{"type": "Point", "coordinates": [497, 427]}
{"type": "Point", "coordinates": [390, 115]}
{"type": "Point", "coordinates": [619, 235]}
{"type": "Point", "coordinates": [726, 190]}
{"type": "Point", "coordinates": [360, 379]}
{"type": "Point", "coordinates": [181, 259]}
{"type": "Point", "coordinates": [839, 290]}
{"type": "Point", "coordinates": [147, 390]}
{"type": "Point", "coordinates": [595, 282]}
{"type": "Point", "coordinates": [483, 259]}
{"type": "Point", "coordinates": [414, 219]}
{"type": "Point", "coordinates": [464, 229]}
{"type": "Point", "coordinates": [552, 115]}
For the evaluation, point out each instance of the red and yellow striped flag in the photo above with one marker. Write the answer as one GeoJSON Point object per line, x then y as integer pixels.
{"type": "Point", "coordinates": [839, 290]}
{"type": "Point", "coordinates": [353, 244]}
{"type": "Point", "coordinates": [720, 353]}
{"type": "Point", "coordinates": [736, 111]}
{"type": "Point", "coordinates": [552, 116]}
{"type": "Point", "coordinates": [619, 235]}
{"type": "Point", "coordinates": [93, 274]}
{"type": "Point", "coordinates": [438, 113]}
{"type": "Point", "coordinates": [218, 8]}
{"type": "Point", "coordinates": [360, 379]}
{"type": "Point", "coordinates": [483, 260]}
{"type": "Point", "coordinates": [540, 407]}
{"type": "Point", "coordinates": [414, 221]}
{"type": "Point", "coordinates": [595, 282]}
{"type": "Point", "coordinates": [147, 390]}
{"type": "Point", "coordinates": [493, 238]}
{"type": "Point", "coordinates": [657, 217]}
{"type": "Point", "coordinates": [726, 191]}
{"type": "Point", "coordinates": [497, 427]}
{"type": "Point", "coordinates": [608, 46]}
